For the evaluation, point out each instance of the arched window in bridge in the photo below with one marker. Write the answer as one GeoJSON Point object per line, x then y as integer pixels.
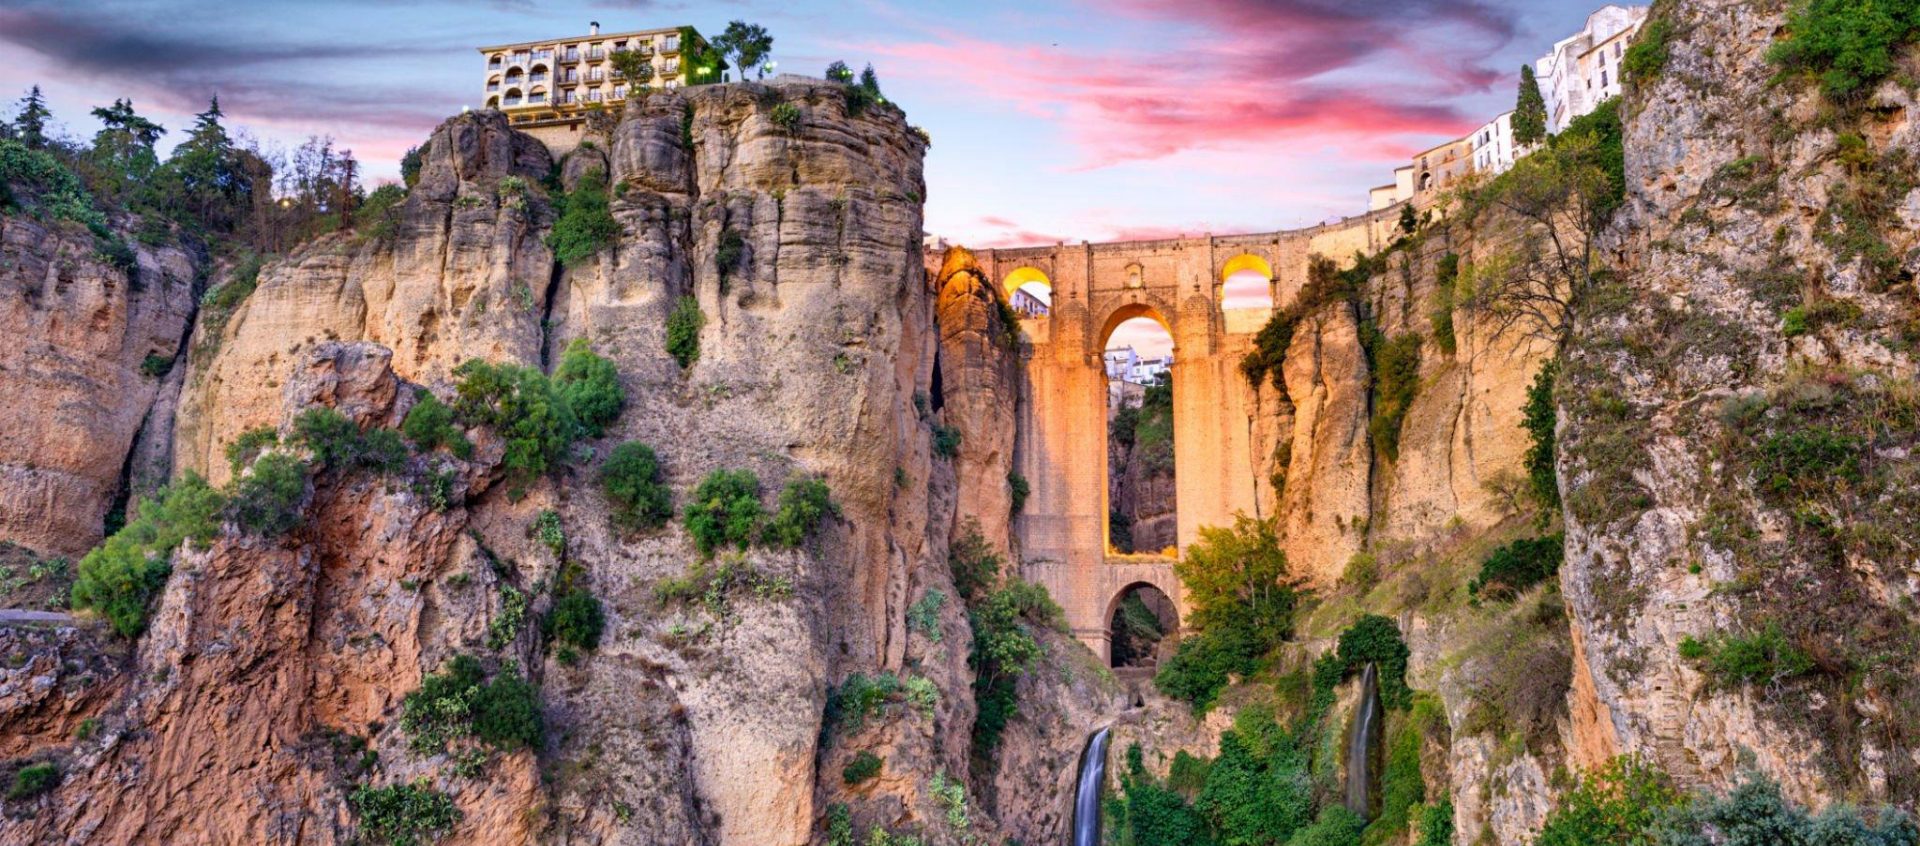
{"type": "Point", "coordinates": [1246, 282]}
{"type": "Point", "coordinates": [1138, 358]}
{"type": "Point", "coordinates": [1030, 292]}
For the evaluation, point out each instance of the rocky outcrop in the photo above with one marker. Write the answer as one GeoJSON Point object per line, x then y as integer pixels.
{"type": "Point", "coordinates": [90, 344]}
{"type": "Point", "coordinates": [980, 375]}
{"type": "Point", "coordinates": [1762, 310]}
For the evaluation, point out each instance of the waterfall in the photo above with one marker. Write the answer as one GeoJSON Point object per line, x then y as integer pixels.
{"type": "Point", "coordinates": [1366, 735]}
{"type": "Point", "coordinates": [1086, 794]}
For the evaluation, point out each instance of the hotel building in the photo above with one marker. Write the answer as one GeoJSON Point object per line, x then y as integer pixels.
{"type": "Point", "coordinates": [546, 87]}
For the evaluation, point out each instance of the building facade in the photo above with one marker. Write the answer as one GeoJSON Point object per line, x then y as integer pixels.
{"type": "Point", "coordinates": [1492, 147]}
{"type": "Point", "coordinates": [547, 87]}
{"type": "Point", "coordinates": [1583, 69]}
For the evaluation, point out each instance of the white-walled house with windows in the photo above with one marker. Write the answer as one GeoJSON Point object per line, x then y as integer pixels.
{"type": "Point", "coordinates": [1583, 69]}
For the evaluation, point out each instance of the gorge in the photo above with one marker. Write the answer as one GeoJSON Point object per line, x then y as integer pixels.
{"type": "Point", "coordinates": [670, 491]}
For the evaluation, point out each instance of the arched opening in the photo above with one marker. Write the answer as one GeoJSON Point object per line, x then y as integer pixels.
{"type": "Point", "coordinates": [538, 73]}
{"type": "Point", "coordinates": [1246, 282]}
{"type": "Point", "coordinates": [1030, 292]}
{"type": "Point", "coordinates": [1140, 620]}
{"type": "Point", "coordinates": [513, 98]}
{"type": "Point", "coordinates": [493, 102]}
{"type": "Point", "coordinates": [537, 95]}
{"type": "Point", "coordinates": [1138, 358]}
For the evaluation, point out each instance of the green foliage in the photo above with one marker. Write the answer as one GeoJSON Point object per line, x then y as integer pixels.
{"type": "Point", "coordinates": [156, 366]}
{"type": "Point", "coordinates": [1808, 459]}
{"type": "Point", "coordinates": [804, 502]}
{"type": "Point", "coordinates": [528, 411]}
{"type": "Point", "coordinates": [410, 165]}
{"type": "Point", "coordinates": [1402, 788]}
{"type": "Point", "coordinates": [946, 440]}
{"type": "Point", "coordinates": [576, 620]}
{"type": "Point", "coordinates": [1326, 284]}
{"type": "Point", "coordinates": [585, 225]}
{"type": "Point", "coordinates": [1519, 565]}
{"type": "Point", "coordinates": [974, 564]}
{"type": "Point", "coordinates": [1003, 649]}
{"type": "Point", "coordinates": [403, 814]}
{"type": "Point", "coordinates": [1136, 631]}
{"type": "Point", "coordinates": [1762, 657]}
{"type": "Point", "coordinates": [249, 444]}
{"type": "Point", "coordinates": [551, 533]}
{"type": "Point", "coordinates": [591, 387]}
{"type": "Point", "coordinates": [725, 510]}
{"type": "Point", "coordinates": [1018, 491]}
{"type": "Point", "coordinates": [1336, 826]}
{"type": "Point", "coordinates": [839, 72]}
{"type": "Point", "coordinates": [1539, 417]}
{"type": "Point", "coordinates": [1242, 598]}
{"type": "Point", "coordinates": [924, 615]}
{"type": "Point", "coordinates": [1436, 824]}
{"type": "Point", "coordinates": [1529, 110]}
{"type": "Point", "coordinates": [683, 331]}
{"type": "Point", "coordinates": [1376, 639]}
{"type": "Point", "coordinates": [1152, 813]}
{"type": "Point", "coordinates": [1258, 789]}
{"type": "Point", "coordinates": [266, 501]}
{"type": "Point", "coordinates": [458, 701]}
{"type": "Point", "coordinates": [33, 780]}
{"type": "Point", "coordinates": [1440, 316]}
{"type": "Point", "coordinates": [1409, 222]}
{"type": "Point", "coordinates": [1647, 56]}
{"type": "Point", "coordinates": [1608, 153]}
{"type": "Point", "coordinates": [730, 252]}
{"type": "Point", "coordinates": [429, 424]}
{"type": "Point", "coordinates": [378, 218]}
{"type": "Point", "coordinates": [504, 628]}
{"type": "Point", "coordinates": [1615, 805]}
{"type": "Point", "coordinates": [787, 117]}
{"type": "Point", "coordinates": [864, 766]}
{"type": "Point", "coordinates": [1396, 380]}
{"type": "Point", "coordinates": [1755, 814]}
{"type": "Point", "coordinates": [713, 587]}
{"type": "Point", "coordinates": [119, 578]}
{"type": "Point", "coordinates": [862, 697]}
{"type": "Point", "coordinates": [335, 442]}
{"type": "Point", "coordinates": [1848, 45]}
{"type": "Point", "coordinates": [631, 480]}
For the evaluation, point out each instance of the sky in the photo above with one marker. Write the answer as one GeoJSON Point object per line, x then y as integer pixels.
{"type": "Point", "coordinates": [1052, 120]}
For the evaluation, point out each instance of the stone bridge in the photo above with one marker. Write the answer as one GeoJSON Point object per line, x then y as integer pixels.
{"type": "Point", "coordinates": [1062, 441]}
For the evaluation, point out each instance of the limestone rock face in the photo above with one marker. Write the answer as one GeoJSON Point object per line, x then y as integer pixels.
{"type": "Point", "coordinates": [1741, 216]}
{"type": "Point", "coordinates": [80, 331]}
{"type": "Point", "coordinates": [980, 388]}
{"type": "Point", "coordinates": [465, 275]}
{"type": "Point", "coordinates": [1325, 506]}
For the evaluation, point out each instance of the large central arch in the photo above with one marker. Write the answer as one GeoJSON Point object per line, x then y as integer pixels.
{"type": "Point", "coordinates": [1062, 448]}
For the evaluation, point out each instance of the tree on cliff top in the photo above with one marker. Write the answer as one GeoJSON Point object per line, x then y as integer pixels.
{"type": "Point", "coordinates": [749, 45]}
{"type": "Point", "coordinates": [31, 124]}
{"type": "Point", "coordinates": [1530, 111]}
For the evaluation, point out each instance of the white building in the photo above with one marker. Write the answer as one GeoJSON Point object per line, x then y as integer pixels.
{"type": "Point", "coordinates": [1584, 69]}
{"type": "Point", "coordinates": [1126, 365]}
{"type": "Point", "coordinates": [1491, 145]}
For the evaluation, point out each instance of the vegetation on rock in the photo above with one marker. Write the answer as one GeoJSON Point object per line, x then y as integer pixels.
{"type": "Point", "coordinates": [403, 814]}
{"type": "Point", "coordinates": [120, 578]}
{"type": "Point", "coordinates": [1242, 597]}
{"type": "Point", "coordinates": [724, 510]}
{"type": "Point", "coordinates": [585, 225]}
{"type": "Point", "coordinates": [631, 479]}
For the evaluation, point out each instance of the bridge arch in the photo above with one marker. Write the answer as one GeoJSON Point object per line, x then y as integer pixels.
{"type": "Point", "coordinates": [1135, 631]}
{"type": "Point", "coordinates": [1246, 282]}
{"type": "Point", "coordinates": [1029, 291]}
{"type": "Point", "coordinates": [1147, 307]}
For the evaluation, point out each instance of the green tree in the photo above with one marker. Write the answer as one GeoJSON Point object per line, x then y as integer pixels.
{"type": "Point", "coordinates": [30, 125]}
{"type": "Point", "coordinates": [121, 161]}
{"type": "Point", "coordinates": [838, 72]}
{"type": "Point", "coordinates": [870, 82]}
{"type": "Point", "coordinates": [1849, 45]}
{"type": "Point", "coordinates": [1615, 805]}
{"type": "Point", "coordinates": [1529, 110]}
{"type": "Point", "coordinates": [1238, 577]}
{"type": "Point", "coordinates": [120, 577]}
{"type": "Point", "coordinates": [725, 510]}
{"type": "Point", "coordinates": [585, 225]}
{"type": "Point", "coordinates": [633, 65]}
{"type": "Point", "coordinates": [591, 386]}
{"type": "Point", "coordinates": [208, 175]}
{"type": "Point", "coordinates": [748, 44]}
{"type": "Point", "coordinates": [410, 165]}
{"type": "Point", "coordinates": [1539, 417]}
{"type": "Point", "coordinates": [631, 480]}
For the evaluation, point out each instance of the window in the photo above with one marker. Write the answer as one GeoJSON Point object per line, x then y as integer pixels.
{"type": "Point", "coordinates": [593, 96]}
{"type": "Point", "coordinates": [1616, 49]}
{"type": "Point", "coordinates": [620, 92]}
{"type": "Point", "coordinates": [1603, 79]}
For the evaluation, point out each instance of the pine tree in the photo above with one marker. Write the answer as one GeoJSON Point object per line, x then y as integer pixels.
{"type": "Point", "coordinates": [207, 175]}
{"type": "Point", "coordinates": [31, 126]}
{"type": "Point", "coordinates": [1530, 112]}
{"type": "Point", "coordinates": [870, 81]}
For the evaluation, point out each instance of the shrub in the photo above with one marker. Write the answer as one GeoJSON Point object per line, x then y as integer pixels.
{"type": "Point", "coordinates": [33, 780]}
{"type": "Point", "coordinates": [803, 503]}
{"type": "Point", "coordinates": [378, 218]}
{"type": "Point", "coordinates": [974, 565]}
{"type": "Point", "coordinates": [585, 225]}
{"type": "Point", "coordinates": [1517, 566]}
{"type": "Point", "coordinates": [946, 440]}
{"type": "Point", "coordinates": [1762, 657]}
{"type": "Point", "coordinates": [1004, 648]}
{"type": "Point", "coordinates": [1538, 417]}
{"type": "Point", "coordinates": [1375, 639]}
{"type": "Point", "coordinates": [864, 766]}
{"type": "Point", "coordinates": [337, 443]}
{"type": "Point", "coordinates": [786, 116]}
{"type": "Point", "coordinates": [924, 615]}
{"type": "Point", "coordinates": [249, 444]}
{"type": "Point", "coordinates": [591, 386]}
{"type": "Point", "coordinates": [1647, 56]}
{"type": "Point", "coordinates": [631, 480]}
{"type": "Point", "coordinates": [1396, 381]}
{"type": "Point", "coordinates": [576, 619]}
{"type": "Point", "coordinates": [1336, 826]}
{"type": "Point", "coordinates": [523, 406]}
{"type": "Point", "coordinates": [861, 697]}
{"type": "Point", "coordinates": [1809, 460]}
{"type": "Point", "coordinates": [506, 712]}
{"type": "Point", "coordinates": [1440, 318]}
{"type": "Point", "coordinates": [403, 814]}
{"type": "Point", "coordinates": [1018, 491]}
{"type": "Point", "coordinates": [266, 501]}
{"type": "Point", "coordinates": [1616, 805]}
{"type": "Point", "coordinates": [1849, 45]}
{"type": "Point", "coordinates": [683, 331]}
{"type": "Point", "coordinates": [725, 510]}
{"type": "Point", "coordinates": [731, 250]}
{"type": "Point", "coordinates": [156, 366]}
{"type": "Point", "coordinates": [429, 424]}
{"type": "Point", "coordinates": [1436, 824]}
{"type": "Point", "coordinates": [551, 533]}
{"type": "Point", "coordinates": [1755, 814]}
{"type": "Point", "coordinates": [1243, 599]}
{"type": "Point", "coordinates": [119, 578]}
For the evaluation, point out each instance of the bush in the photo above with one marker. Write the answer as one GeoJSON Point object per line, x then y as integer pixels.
{"type": "Point", "coordinates": [924, 615]}
{"type": "Point", "coordinates": [787, 117]}
{"type": "Point", "coordinates": [429, 424]}
{"type": "Point", "coordinates": [585, 225]}
{"type": "Point", "coordinates": [591, 386]}
{"type": "Point", "coordinates": [506, 712]}
{"type": "Point", "coordinates": [1755, 814]}
{"type": "Point", "coordinates": [33, 780]}
{"type": "Point", "coordinates": [1375, 639]}
{"type": "Point", "coordinates": [523, 406]}
{"type": "Point", "coordinates": [550, 532]}
{"type": "Point", "coordinates": [458, 701]}
{"type": "Point", "coordinates": [1436, 825]}
{"type": "Point", "coordinates": [862, 697]}
{"type": "Point", "coordinates": [1396, 381]}
{"type": "Point", "coordinates": [1440, 318]}
{"type": "Point", "coordinates": [725, 510]}
{"type": "Point", "coordinates": [119, 578]}
{"type": "Point", "coordinates": [266, 501]}
{"type": "Point", "coordinates": [1647, 56]}
{"type": "Point", "coordinates": [1018, 491]}
{"type": "Point", "coordinates": [731, 250]}
{"type": "Point", "coordinates": [974, 565]}
{"type": "Point", "coordinates": [864, 766]}
{"type": "Point", "coordinates": [378, 218]}
{"type": "Point", "coordinates": [1809, 460]}
{"type": "Point", "coordinates": [156, 366]}
{"type": "Point", "coordinates": [577, 620]}
{"type": "Point", "coordinates": [1519, 565]}
{"type": "Point", "coordinates": [1538, 417]}
{"type": "Point", "coordinates": [631, 480]}
{"type": "Point", "coordinates": [1336, 826]}
{"type": "Point", "coordinates": [403, 814]}
{"type": "Point", "coordinates": [1003, 649]}
{"type": "Point", "coordinates": [337, 443]}
{"type": "Point", "coordinates": [1616, 805]}
{"type": "Point", "coordinates": [803, 503]}
{"type": "Point", "coordinates": [683, 331]}
{"type": "Point", "coordinates": [946, 440]}
{"type": "Point", "coordinates": [1258, 789]}
{"type": "Point", "coordinates": [1763, 657]}
{"type": "Point", "coordinates": [248, 445]}
{"type": "Point", "coordinates": [1243, 600]}
{"type": "Point", "coordinates": [1849, 45]}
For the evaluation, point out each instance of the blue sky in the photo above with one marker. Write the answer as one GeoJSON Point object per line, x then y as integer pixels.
{"type": "Point", "coordinates": [1051, 119]}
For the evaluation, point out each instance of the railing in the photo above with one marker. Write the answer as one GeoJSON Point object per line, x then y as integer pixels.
{"type": "Point", "coordinates": [670, 46]}
{"type": "Point", "coordinates": [593, 96]}
{"type": "Point", "coordinates": [569, 78]}
{"type": "Point", "coordinates": [493, 87]}
{"type": "Point", "coordinates": [536, 98]}
{"type": "Point", "coordinates": [596, 55]}
{"type": "Point", "coordinates": [596, 76]}
{"type": "Point", "coordinates": [510, 101]}
{"type": "Point", "coordinates": [570, 57]}
{"type": "Point", "coordinates": [538, 77]}
{"type": "Point", "coordinates": [620, 93]}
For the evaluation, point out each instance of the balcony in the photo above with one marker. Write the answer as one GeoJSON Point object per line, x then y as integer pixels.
{"type": "Point", "coordinates": [536, 99]}
{"type": "Point", "coordinates": [493, 88]}
{"type": "Point", "coordinates": [510, 102]}
{"type": "Point", "coordinates": [596, 55]}
{"type": "Point", "coordinates": [570, 57]}
{"type": "Point", "coordinates": [538, 77]}
{"type": "Point", "coordinates": [596, 76]}
{"type": "Point", "coordinates": [670, 46]}
{"type": "Point", "coordinates": [568, 79]}
{"type": "Point", "coordinates": [543, 56]}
